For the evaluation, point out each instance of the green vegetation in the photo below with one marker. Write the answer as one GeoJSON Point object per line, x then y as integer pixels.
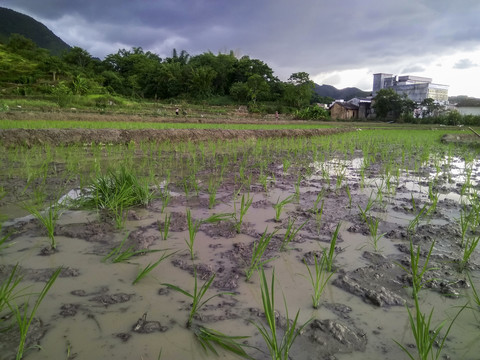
{"type": "Point", "coordinates": [115, 192]}
{"type": "Point", "coordinates": [319, 278]}
{"type": "Point", "coordinates": [74, 75]}
{"type": "Point", "coordinates": [278, 346]}
{"type": "Point", "coordinates": [209, 337]}
{"type": "Point", "coordinates": [259, 248]}
{"type": "Point", "coordinates": [197, 295]}
{"type": "Point", "coordinates": [24, 317]}
{"type": "Point", "coordinates": [48, 218]}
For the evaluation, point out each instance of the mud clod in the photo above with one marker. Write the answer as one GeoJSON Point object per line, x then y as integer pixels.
{"type": "Point", "coordinates": [142, 326]}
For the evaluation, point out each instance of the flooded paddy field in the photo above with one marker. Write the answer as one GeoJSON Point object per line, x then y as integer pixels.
{"type": "Point", "coordinates": [346, 214]}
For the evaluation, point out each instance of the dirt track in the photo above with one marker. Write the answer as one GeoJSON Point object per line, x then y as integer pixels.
{"type": "Point", "coordinates": [30, 137]}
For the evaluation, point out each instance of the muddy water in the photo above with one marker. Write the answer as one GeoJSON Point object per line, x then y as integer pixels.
{"type": "Point", "coordinates": [95, 312]}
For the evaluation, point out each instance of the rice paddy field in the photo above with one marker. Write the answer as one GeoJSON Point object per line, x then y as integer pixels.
{"type": "Point", "coordinates": [323, 244]}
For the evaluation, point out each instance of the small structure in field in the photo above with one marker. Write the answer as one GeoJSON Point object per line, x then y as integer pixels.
{"type": "Point", "coordinates": [343, 110]}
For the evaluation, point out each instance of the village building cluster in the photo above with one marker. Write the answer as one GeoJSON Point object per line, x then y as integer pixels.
{"type": "Point", "coordinates": [416, 88]}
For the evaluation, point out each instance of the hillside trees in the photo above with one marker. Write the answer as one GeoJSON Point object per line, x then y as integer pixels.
{"type": "Point", "coordinates": [142, 74]}
{"type": "Point", "coordinates": [298, 90]}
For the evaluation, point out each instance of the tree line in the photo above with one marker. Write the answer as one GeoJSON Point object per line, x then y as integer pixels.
{"type": "Point", "coordinates": [140, 74]}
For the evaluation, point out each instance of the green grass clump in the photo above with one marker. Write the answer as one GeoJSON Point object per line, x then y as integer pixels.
{"type": "Point", "coordinates": [115, 192]}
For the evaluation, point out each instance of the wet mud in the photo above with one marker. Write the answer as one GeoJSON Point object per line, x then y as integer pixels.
{"type": "Point", "coordinates": [95, 309]}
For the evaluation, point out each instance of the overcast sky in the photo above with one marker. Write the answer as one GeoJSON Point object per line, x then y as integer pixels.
{"type": "Point", "coordinates": [340, 43]}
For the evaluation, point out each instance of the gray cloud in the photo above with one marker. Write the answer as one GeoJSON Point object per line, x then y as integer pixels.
{"type": "Point", "coordinates": [412, 69]}
{"type": "Point", "coordinates": [464, 64]}
{"type": "Point", "coordinates": [308, 35]}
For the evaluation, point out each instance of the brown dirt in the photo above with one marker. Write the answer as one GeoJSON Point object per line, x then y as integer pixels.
{"type": "Point", "coordinates": [30, 137]}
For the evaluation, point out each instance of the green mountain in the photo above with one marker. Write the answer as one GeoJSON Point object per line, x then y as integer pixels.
{"type": "Point", "coordinates": [345, 94]}
{"type": "Point", "coordinates": [12, 22]}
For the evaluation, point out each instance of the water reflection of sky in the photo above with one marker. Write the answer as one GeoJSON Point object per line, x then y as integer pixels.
{"type": "Point", "coordinates": [453, 171]}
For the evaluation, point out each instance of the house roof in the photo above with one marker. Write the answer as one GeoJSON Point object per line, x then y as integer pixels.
{"type": "Point", "coordinates": [345, 105]}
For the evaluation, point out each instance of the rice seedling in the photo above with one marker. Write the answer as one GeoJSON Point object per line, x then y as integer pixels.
{"type": "Point", "coordinates": [340, 177]}
{"type": "Point", "coordinates": [192, 233]}
{"type": "Point", "coordinates": [197, 295]}
{"type": "Point", "coordinates": [121, 254]}
{"type": "Point", "coordinates": [286, 165]}
{"type": "Point", "coordinates": [330, 255]}
{"type": "Point", "coordinates": [476, 297]}
{"type": "Point", "coordinates": [470, 246]}
{"type": "Point", "coordinates": [218, 217]}
{"type": "Point", "coordinates": [278, 346]}
{"type": "Point", "coordinates": [212, 192]}
{"type": "Point", "coordinates": [9, 291]}
{"type": "Point", "coordinates": [464, 222]}
{"type": "Point", "coordinates": [290, 233]}
{"type": "Point", "coordinates": [279, 205]}
{"type": "Point", "coordinates": [320, 197]}
{"type": "Point", "coordinates": [166, 226]}
{"type": "Point", "coordinates": [4, 238]}
{"type": "Point", "coordinates": [165, 198]}
{"type": "Point", "coordinates": [244, 206]}
{"type": "Point", "coordinates": [24, 318]}
{"type": "Point", "coordinates": [319, 279]}
{"type": "Point", "coordinates": [147, 269]}
{"type": "Point", "coordinates": [373, 228]}
{"type": "Point", "coordinates": [347, 189]}
{"type": "Point", "coordinates": [263, 180]}
{"type": "Point", "coordinates": [368, 207]}
{"type": "Point", "coordinates": [429, 344]}
{"type": "Point", "coordinates": [414, 223]}
{"type": "Point", "coordinates": [259, 248]}
{"type": "Point", "coordinates": [210, 337]}
{"type": "Point", "coordinates": [415, 271]}
{"type": "Point", "coordinates": [48, 218]}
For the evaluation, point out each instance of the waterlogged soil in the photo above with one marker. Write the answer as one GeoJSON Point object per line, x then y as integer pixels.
{"type": "Point", "coordinates": [94, 311]}
{"type": "Point", "coordinates": [32, 137]}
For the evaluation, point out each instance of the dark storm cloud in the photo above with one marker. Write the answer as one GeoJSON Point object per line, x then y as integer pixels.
{"type": "Point", "coordinates": [308, 35]}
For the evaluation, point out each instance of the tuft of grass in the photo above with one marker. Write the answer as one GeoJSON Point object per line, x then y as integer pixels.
{"type": "Point", "coordinates": [115, 192]}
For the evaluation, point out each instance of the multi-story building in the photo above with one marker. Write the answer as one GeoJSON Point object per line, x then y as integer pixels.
{"type": "Point", "coordinates": [417, 88]}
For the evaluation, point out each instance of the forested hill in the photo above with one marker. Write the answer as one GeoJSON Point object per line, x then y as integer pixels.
{"type": "Point", "coordinates": [345, 94]}
{"type": "Point", "coordinates": [12, 22]}
{"type": "Point", "coordinates": [464, 100]}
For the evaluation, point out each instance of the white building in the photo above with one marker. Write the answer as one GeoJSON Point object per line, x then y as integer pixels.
{"type": "Point", "coordinates": [417, 88]}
